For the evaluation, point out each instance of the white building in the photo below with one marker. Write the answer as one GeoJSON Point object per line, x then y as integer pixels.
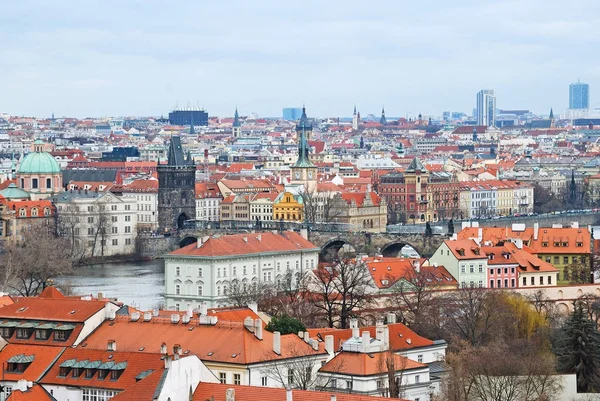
{"type": "Point", "coordinates": [99, 223]}
{"type": "Point", "coordinates": [465, 260]}
{"type": "Point", "coordinates": [208, 201]}
{"type": "Point", "coordinates": [145, 193]}
{"type": "Point", "coordinates": [261, 206]}
{"type": "Point", "coordinates": [204, 271]}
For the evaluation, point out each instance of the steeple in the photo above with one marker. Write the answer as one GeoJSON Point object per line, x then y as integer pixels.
{"type": "Point", "coordinates": [474, 134]}
{"type": "Point", "coordinates": [303, 128]}
{"type": "Point", "coordinates": [354, 110]}
{"type": "Point", "coordinates": [551, 114]}
{"type": "Point", "coordinates": [382, 120]}
{"type": "Point", "coordinates": [362, 142]}
{"type": "Point", "coordinates": [355, 118]}
{"type": "Point", "coordinates": [237, 126]}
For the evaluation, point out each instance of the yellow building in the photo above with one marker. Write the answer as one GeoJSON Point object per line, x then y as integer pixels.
{"type": "Point", "coordinates": [288, 207]}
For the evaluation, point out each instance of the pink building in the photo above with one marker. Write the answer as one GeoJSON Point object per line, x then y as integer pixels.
{"type": "Point", "coordinates": [503, 268]}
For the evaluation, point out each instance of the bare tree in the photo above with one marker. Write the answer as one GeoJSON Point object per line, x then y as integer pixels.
{"type": "Point", "coordinates": [102, 226]}
{"type": "Point", "coordinates": [240, 293]}
{"type": "Point", "coordinates": [340, 289]}
{"type": "Point", "coordinates": [298, 367]}
{"type": "Point", "coordinates": [29, 264]}
{"type": "Point", "coordinates": [321, 207]}
{"type": "Point", "coordinates": [68, 225]}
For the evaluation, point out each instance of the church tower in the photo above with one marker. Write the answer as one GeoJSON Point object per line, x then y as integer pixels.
{"type": "Point", "coordinates": [237, 127]}
{"type": "Point", "coordinates": [176, 188]}
{"type": "Point", "coordinates": [382, 120]}
{"type": "Point", "coordinates": [552, 124]}
{"type": "Point", "coordinates": [355, 119]}
{"type": "Point", "coordinates": [304, 172]}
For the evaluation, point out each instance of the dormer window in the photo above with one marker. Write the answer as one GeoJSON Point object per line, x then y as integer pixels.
{"type": "Point", "coordinates": [62, 333]}
{"type": "Point", "coordinates": [18, 363]}
{"type": "Point", "coordinates": [42, 334]}
{"type": "Point", "coordinates": [102, 373]}
{"type": "Point", "coordinates": [544, 244]}
{"type": "Point", "coordinates": [65, 367]}
{"type": "Point", "coordinates": [579, 244]}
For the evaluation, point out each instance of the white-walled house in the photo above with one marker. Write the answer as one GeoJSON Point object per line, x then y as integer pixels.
{"type": "Point", "coordinates": [203, 271]}
{"type": "Point", "coordinates": [465, 260]}
{"type": "Point", "coordinates": [208, 201]}
{"type": "Point", "coordinates": [99, 223]}
{"type": "Point", "coordinates": [146, 194]}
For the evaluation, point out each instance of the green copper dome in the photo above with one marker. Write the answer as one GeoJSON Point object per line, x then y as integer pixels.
{"type": "Point", "coordinates": [39, 162]}
{"type": "Point", "coordinates": [13, 192]}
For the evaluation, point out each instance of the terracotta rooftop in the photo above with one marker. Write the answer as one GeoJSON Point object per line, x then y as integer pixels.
{"type": "Point", "coordinates": [367, 364]}
{"type": "Point", "coordinates": [41, 358]}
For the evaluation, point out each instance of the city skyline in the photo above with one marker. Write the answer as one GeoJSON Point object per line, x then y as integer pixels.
{"type": "Point", "coordinates": [127, 59]}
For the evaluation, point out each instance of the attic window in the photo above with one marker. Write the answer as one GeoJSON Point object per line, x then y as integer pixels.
{"type": "Point", "coordinates": [384, 282]}
{"type": "Point", "coordinates": [579, 244]}
{"type": "Point", "coordinates": [210, 353]}
{"type": "Point", "coordinates": [544, 244]}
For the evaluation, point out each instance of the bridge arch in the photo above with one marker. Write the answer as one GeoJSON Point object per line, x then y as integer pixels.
{"type": "Point", "coordinates": [393, 249]}
{"type": "Point", "coordinates": [330, 250]}
{"type": "Point", "coordinates": [187, 240]}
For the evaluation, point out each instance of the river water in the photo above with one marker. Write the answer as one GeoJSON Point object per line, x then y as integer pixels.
{"type": "Point", "coordinates": [139, 284]}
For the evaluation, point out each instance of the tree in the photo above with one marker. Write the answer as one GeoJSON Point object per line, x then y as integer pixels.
{"type": "Point", "coordinates": [450, 227]}
{"type": "Point", "coordinates": [285, 325]}
{"type": "Point", "coordinates": [577, 349]}
{"type": "Point", "coordinates": [101, 224]}
{"type": "Point", "coordinates": [578, 273]}
{"type": "Point", "coordinates": [340, 289]}
{"type": "Point", "coordinates": [240, 294]}
{"type": "Point", "coordinates": [29, 264]}
{"type": "Point", "coordinates": [428, 230]}
{"type": "Point", "coordinates": [321, 207]}
{"type": "Point", "coordinates": [68, 225]}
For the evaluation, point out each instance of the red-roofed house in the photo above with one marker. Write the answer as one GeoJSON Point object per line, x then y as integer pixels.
{"type": "Point", "coordinates": [465, 260]}
{"type": "Point", "coordinates": [208, 201]}
{"type": "Point", "coordinates": [362, 211]}
{"type": "Point", "coordinates": [205, 270]}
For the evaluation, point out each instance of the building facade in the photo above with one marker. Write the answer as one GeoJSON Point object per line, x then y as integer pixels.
{"type": "Point", "coordinates": [579, 95]}
{"type": "Point", "coordinates": [486, 108]}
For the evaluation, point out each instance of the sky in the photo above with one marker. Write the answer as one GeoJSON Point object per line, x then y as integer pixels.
{"type": "Point", "coordinates": [140, 58]}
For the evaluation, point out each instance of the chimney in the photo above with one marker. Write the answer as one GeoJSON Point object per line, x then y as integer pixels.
{"type": "Point", "coordinates": [354, 327]}
{"type": "Point", "coordinates": [111, 346]}
{"type": "Point", "coordinates": [177, 352]}
{"type": "Point", "coordinates": [203, 309]}
{"type": "Point", "coordinates": [329, 344]}
{"type": "Point", "coordinates": [199, 242]}
{"type": "Point", "coordinates": [168, 362]}
{"type": "Point", "coordinates": [366, 341]}
{"type": "Point", "coordinates": [147, 316]}
{"type": "Point", "coordinates": [155, 312]}
{"type": "Point", "coordinates": [315, 344]}
{"type": "Point", "coordinates": [245, 239]}
{"type": "Point", "coordinates": [163, 348]}
{"type": "Point", "coordinates": [417, 266]}
{"type": "Point", "coordinates": [100, 296]}
{"type": "Point", "coordinates": [391, 318]}
{"type": "Point", "coordinates": [307, 337]}
{"type": "Point", "coordinates": [259, 329]}
{"type": "Point", "coordinates": [333, 397]}
{"type": "Point", "coordinates": [253, 306]}
{"type": "Point", "coordinates": [249, 324]}
{"type": "Point", "coordinates": [259, 237]}
{"type": "Point", "coordinates": [386, 338]}
{"type": "Point", "coordinates": [575, 224]}
{"type": "Point", "coordinates": [536, 231]}
{"type": "Point", "coordinates": [379, 330]}
{"type": "Point", "coordinates": [288, 394]}
{"type": "Point", "coordinates": [190, 312]}
{"type": "Point", "coordinates": [135, 316]}
{"type": "Point", "coordinates": [230, 394]}
{"type": "Point", "coordinates": [277, 342]}
{"type": "Point", "coordinates": [304, 233]}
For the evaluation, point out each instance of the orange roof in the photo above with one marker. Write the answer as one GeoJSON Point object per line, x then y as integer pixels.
{"type": "Point", "coordinates": [51, 292]}
{"type": "Point", "coordinates": [136, 363]}
{"type": "Point", "coordinates": [399, 333]}
{"type": "Point", "coordinates": [363, 364]}
{"type": "Point", "coordinates": [387, 271]}
{"type": "Point", "coordinates": [44, 356]}
{"type": "Point", "coordinates": [142, 186]}
{"type": "Point", "coordinates": [91, 186]}
{"type": "Point", "coordinates": [227, 341]}
{"type": "Point", "coordinates": [207, 190]}
{"type": "Point", "coordinates": [143, 390]}
{"type": "Point", "coordinates": [237, 167]}
{"type": "Point", "coordinates": [359, 198]}
{"type": "Point", "coordinates": [6, 183]}
{"type": "Point", "coordinates": [35, 393]}
{"type": "Point", "coordinates": [465, 249]}
{"type": "Point", "coordinates": [6, 300]}
{"type": "Point", "coordinates": [28, 206]}
{"type": "Point", "coordinates": [246, 244]}
{"type": "Point", "coordinates": [247, 184]}
{"type": "Point", "coordinates": [216, 392]}
{"type": "Point", "coordinates": [51, 309]}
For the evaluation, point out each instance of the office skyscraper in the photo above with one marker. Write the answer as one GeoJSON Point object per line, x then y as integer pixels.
{"type": "Point", "coordinates": [486, 108]}
{"type": "Point", "coordinates": [579, 95]}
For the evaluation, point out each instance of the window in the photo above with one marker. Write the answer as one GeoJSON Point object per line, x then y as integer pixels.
{"type": "Point", "coordinates": [113, 219]}
{"type": "Point", "coordinates": [76, 372]}
{"type": "Point", "coordinates": [34, 183]}
{"type": "Point", "coordinates": [223, 377]}
{"type": "Point", "coordinates": [533, 281]}
{"type": "Point", "coordinates": [102, 373]}
{"type": "Point", "coordinates": [89, 373]}
{"type": "Point", "coordinates": [264, 381]}
{"type": "Point", "coordinates": [480, 268]}
{"type": "Point", "coordinates": [237, 379]}
{"type": "Point", "coordinates": [333, 383]}
{"type": "Point", "coordinates": [115, 242]}
{"type": "Point", "coordinates": [127, 218]}
{"type": "Point", "coordinates": [61, 335]}
{"type": "Point", "coordinates": [199, 272]}
{"type": "Point", "coordinates": [512, 270]}
{"type": "Point", "coordinates": [499, 283]}
{"type": "Point", "coordinates": [48, 182]}
{"type": "Point", "coordinates": [462, 269]}
{"type": "Point", "coordinates": [42, 334]}
{"type": "Point", "coordinates": [177, 289]}
{"type": "Point", "coordinates": [290, 377]}
{"type": "Point", "coordinates": [556, 259]}
{"type": "Point", "coordinates": [480, 284]}
{"type": "Point", "coordinates": [200, 290]}
{"type": "Point", "coordinates": [127, 207]}
{"type": "Point", "coordinates": [349, 384]}
{"type": "Point", "coordinates": [127, 229]}
{"type": "Point", "coordinates": [113, 207]}
{"type": "Point", "coordinates": [541, 280]}
{"type": "Point", "coordinates": [524, 280]}
{"type": "Point", "coordinates": [505, 282]}
{"type": "Point", "coordinates": [379, 384]}
{"type": "Point", "coordinates": [90, 219]}
{"type": "Point", "coordinates": [420, 358]}
{"type": "Point", "coordinates": [115, 374]}
{"type": "Point", "coordinates": [566, 260]}
{"type": "Point", "coordinates": [114, 230]}
{"type": "Point", "coordinates": [23, 334]}
{"type": "Point", "coordinates": [127, 241]}
{"type": "Point", "coordinates": [512, 282]}
{"type": "Point", "coordinates": [177, 271]}
{"type": "Point", "coordinates": [471, 269]}
{"type": "Point", "coordinates": [417, 378]}
{"type": "Point", "coordinates": [549, 280]}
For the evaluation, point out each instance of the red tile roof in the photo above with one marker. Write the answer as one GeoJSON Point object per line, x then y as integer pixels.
{"type": "Point", "coordinates": [143, 390]}
{"type": "Point", "coordinates": [387, 271]}
{"type": "Point", "coordinates": [51, 309]}
{"type": "Point", "coordinates": [29, 206]}
{"type": "Point", "coordinates": [137, 362]}
{"type": "Point", "coordinates": [44, 356]}
{"type": "Point", "coordinates": [359, 198]}
{"type": "Point", "coordinates": [399, 333]}
{"type": "Point", "coordinates": [362, 364]}
{"type": "Point", "coordinates": [35, 393]}
{"type": "Point", "coordinates": [142, 186]}
{"type": "Point", "coordinates": [465, 249]}
{"type": "Point", "coordinates": [207, 190]}
{"type": "Point", "coordinates": [246, 244]}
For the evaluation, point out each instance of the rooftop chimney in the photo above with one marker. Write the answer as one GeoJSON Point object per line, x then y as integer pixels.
{"type": "Point", "coordinates": [111, 346]}
{"type": "Point", "coordinates": [230, 394]}
{"type": "Point", "coordinates": [147, 316]}
{"type": "Point", "coordinates": [288, 394]}
{"type": "Point", "coordinates": [366, 341]}
{"type": "Point", "coordinates": [379, 330]}
{"type": "Point", "coordinates": [277, 342]}
{"type": "Point", "coordinates": [190, 312]}
{"type": "Point", "coordinates": [307, 337]}
{"type": "Point", "coordinates": [258, 329]}
{"type": "Point", "coordinates": [386, 338]}
{"type": "Point", "coordinates": [391, 318]}
{"type": "Point", "coordinates": [536, 231]}
{"type": "Point", "coordinates": [203, 308]}
{"type": "Point", "coordinates": [329, 344]}
{"type": "Point", "coordinates": [354, 327]}
{"type": "Point", "coordinates": [163, 348]}
{"type": "Point", "coordinates": [333, 397]}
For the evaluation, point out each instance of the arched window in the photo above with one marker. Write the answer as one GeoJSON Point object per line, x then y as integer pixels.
{"type": "Point", "coordinates": [22, 212]}
{"type": "Point", "coordinates": [34, 212]}
{"type": "Point", "coordinates": [46, 211]}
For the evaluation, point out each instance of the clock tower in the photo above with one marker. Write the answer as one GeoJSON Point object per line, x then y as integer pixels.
{"type": "Point", "coordinates": [304, 172]}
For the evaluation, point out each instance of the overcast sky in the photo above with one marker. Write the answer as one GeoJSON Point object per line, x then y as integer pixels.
{"type": "Point", "coordinates": [124, 58]}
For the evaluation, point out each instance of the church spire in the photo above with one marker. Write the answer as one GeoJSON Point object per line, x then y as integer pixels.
{"type": "Point", "coordinates": [354, 110]}
{"type": "Point", "coordinates": [551, 114]}
{"type": "Point", "coordinates": [382, 120]}
{"type": "Point", "coordinates": [236, 119]}
{"type": "Point", "coordinates": [236, 128]}
{"type": "Point", "coordinates": [303, 128]}
{"type": "Point", "coordinates": [192, 130]}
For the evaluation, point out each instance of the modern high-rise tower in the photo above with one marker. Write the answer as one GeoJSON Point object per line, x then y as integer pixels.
{"type": "Point", "coordinates": [579, 95]}
{"type": "Point", "coordinates": [486, 108]}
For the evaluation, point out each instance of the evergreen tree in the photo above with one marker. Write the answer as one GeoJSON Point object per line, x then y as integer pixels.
{"type": "Point", "coordinates": [428, 230]}
{"type": "Point", "coordinates": [577, 349]}
{"type": "Point", "coordinates": [285, 325]}
{"type": "Point", "coordinates": [450, 227]}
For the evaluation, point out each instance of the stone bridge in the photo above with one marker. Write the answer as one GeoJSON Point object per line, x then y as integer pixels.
{"type": "Point", "coordinates": [330, 242]}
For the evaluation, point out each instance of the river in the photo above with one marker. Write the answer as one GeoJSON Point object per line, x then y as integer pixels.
{"type": "Point", "coordinates": [139, 284]}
